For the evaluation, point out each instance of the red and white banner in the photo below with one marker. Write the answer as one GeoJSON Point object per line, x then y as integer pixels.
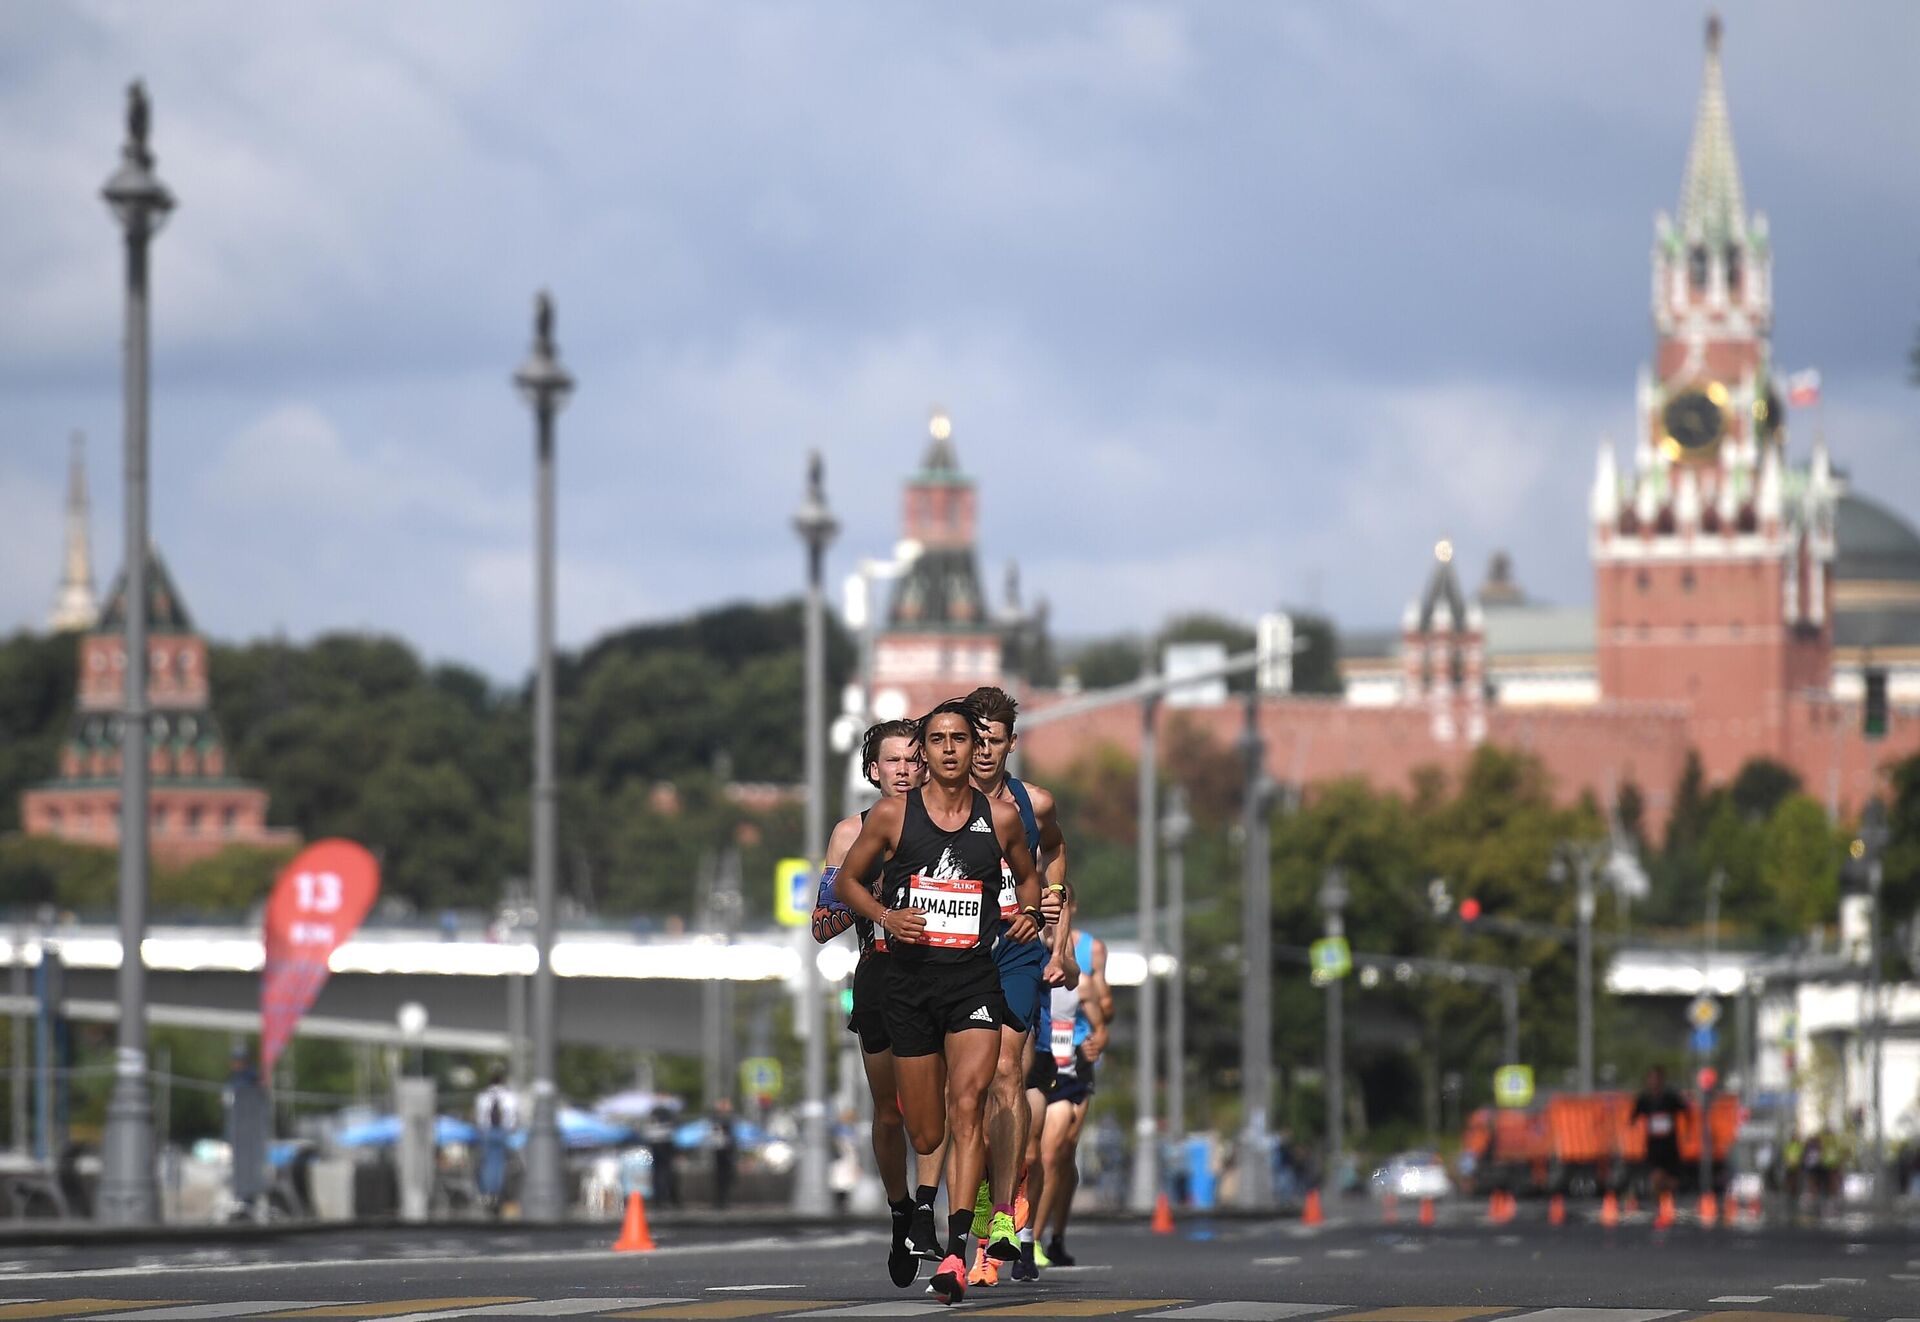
{"type": "Point", "coordinates": [318, 902]}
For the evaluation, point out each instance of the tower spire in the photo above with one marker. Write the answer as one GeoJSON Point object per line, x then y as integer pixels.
{"type": "Point", "coordinates": [76, 608]}
{"type": "Point", "coordinates": [1712, 207]}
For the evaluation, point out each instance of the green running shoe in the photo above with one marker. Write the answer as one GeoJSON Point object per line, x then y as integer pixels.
{"type": "Point", "coordinates": [1040, 1258]}
{"type": "Point", "coordinates": [982, 1211]}
{"type": "Point", "coordinates": [1001, 1242]}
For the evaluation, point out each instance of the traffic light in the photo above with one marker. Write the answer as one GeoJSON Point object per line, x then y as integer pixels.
{"type": "Point", "coordinates": [1873, 715]}
{"type": "Point", "coordinates": [1708, 1078]}
{"type": "Point", "coordinates": [1469, 910]}
{"type": "Point", "coordinates": [846, 1000]}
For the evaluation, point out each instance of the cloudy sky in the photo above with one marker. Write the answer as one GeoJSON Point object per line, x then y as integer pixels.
{"type": "Point", "coordinates": [1231, 304]}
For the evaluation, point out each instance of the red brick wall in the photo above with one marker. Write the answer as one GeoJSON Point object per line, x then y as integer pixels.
{"type": "Point", "coordinates": [185, 823]}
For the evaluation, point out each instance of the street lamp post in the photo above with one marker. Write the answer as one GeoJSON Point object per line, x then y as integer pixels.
{"type": "Point", "coordinates": [128, 1192]}
{"type": "Point", "coordinates": [546, 387]}
{"type": "Point", "coordinates": [1256, 985]}
{"type": "Point", "coordinates": [1714, 884]}
{"type": "Point", "coordinates": [1333, 901]}
{"type": "Point", "coordinates": [1146, 1146]}
{"type": "Point", "coordinates": [816, 525]}
{"type": "Point", "coordinates": [1873, 836]}
{"type": "Point", "coordinates": [1582, 860]}
{"type": "Point", "coordinates": [1175, 825]}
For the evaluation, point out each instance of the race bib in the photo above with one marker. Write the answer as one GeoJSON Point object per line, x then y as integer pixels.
{"type": "Point", "coordinates": [952, 910]}
{"type": "Point", "coordinates": [1063, 1045]}
{"type": "Point", "coordinates": [1009, 896]}
{"type": "Point", "coordinates": [1660, 1124]}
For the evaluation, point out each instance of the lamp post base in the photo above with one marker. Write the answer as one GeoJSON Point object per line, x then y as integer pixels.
{"type": "Point", "coordinates": [810, 1195]}
{"type": "Point", "coordinates": [1256, 1167]}
{"type": "Point", "coordinates": [129, 1191]}
{"type": "Point", "coordinates": [1146, 1166]}
{"type": "Point", "coordinates": [544, 1197]}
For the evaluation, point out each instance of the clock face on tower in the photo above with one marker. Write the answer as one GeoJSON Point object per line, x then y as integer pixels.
{"type": "Point", "coordinates": [1694, 421]}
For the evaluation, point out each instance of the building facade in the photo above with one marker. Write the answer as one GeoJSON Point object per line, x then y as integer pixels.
{"type": "Point", "coordinates": [197, 804]}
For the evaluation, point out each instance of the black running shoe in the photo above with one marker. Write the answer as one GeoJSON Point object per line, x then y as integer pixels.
{"type": "Point", "coordinates": [1057, 1254]}
{"type": "Point", "coordinates": [903, 1264]}
{"type": "Point", "coordinates": [921, 1236]}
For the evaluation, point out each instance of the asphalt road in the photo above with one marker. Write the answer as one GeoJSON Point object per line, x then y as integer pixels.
{"type": "Point", "coordinates": [1462, 1270]}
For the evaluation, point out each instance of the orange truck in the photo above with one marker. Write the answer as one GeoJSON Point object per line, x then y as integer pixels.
{"type": "Point", "coordinates": [1581, 1143]}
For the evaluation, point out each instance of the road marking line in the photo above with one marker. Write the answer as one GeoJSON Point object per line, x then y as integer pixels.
{"type": "Point", "coordinates": [1077, 1268]}
{"type": "Point", "coordinates": [1076, 1307]}
{"type": "Point", "coordinates": [1904, 1276]}
{"type": "Point", "coordinates": [539, 1308]}
{"type": "Point", "coordinates": [468, 1304]}
{"type": "Point", "coordinates": [891, 1308]}
{"type": "Point", "coordinates": [1843, 1280]}
{"type": "Point", "coordinates": [1346, 1253]}
{"type": "Point", "coordinates": [765, 1245]}
{"type": "Point", "coordinates": [1246, 1310]}
{"type": "Point", "coordinates": [232, 1308]}
{"type": "Point", "coordinates": [1736, 1315]}
{"type": "Point", "coordinates": [1593, 1315]}
{"type": "Point", "coordinates": [728, 1308]}
{"type": "Point", "coordinates": [1421, 1313]}
{"type": "Point", "coordinates": [1814, 1286]}
{"type": "Point", "coordinates": [1274, 1262]}
{"type": "Point", "coordinates": [71, 1307]}
{"type": "Point", "coordinates": [748, 1287]}
{"type": "Point", "coordinates": [1740, 1299]}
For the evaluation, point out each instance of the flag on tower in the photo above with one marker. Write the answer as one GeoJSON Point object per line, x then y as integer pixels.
{"type": "Point", "coordinates": [1803, 388]}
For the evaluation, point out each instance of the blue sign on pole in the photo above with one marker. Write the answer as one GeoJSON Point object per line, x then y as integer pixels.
{"type": "Point", "coordinates": [1703, 1039]}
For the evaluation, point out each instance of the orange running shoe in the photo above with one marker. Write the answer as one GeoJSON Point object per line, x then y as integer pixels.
{"type": "Point", "coordinates": [950, 1280]}
{"type": "Point", "coordinates": [985, 1271]}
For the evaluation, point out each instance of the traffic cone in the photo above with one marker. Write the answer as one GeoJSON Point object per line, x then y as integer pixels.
{"type": "Point", "coordinates": [1610, 1209]}
{"type": "Point", "coordinates": [1389, 1208]}
{"type": "Point", "coordinates": [1664, 1217]}
{"type": "Point", "coordinates": [1310, 1214]}
{"type": "Point", "coordinates": [1557, 1210]}
{"type": "Point", "coordinates": [633, 1235]}
{"type": "Point", "coordinates": [1426, 1211]}
{"type": "Point", "coordinates": [1162, 1216]}
{"type": "Point", "coordinates": [1709, 1208]}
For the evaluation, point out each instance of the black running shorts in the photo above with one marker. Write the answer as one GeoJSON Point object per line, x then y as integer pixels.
{"type": "Point", "coordinates": [1041, 1073]}
{"type": "Point", "coordinates": [869, 1017]}
{"type": "Point", "coordinates": [927, 1000]}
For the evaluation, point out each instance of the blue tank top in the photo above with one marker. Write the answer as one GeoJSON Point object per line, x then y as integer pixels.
{"type": "Point", "coordinates": [1083, 956]}
{"type": "Point", "coordinates": [1024, 802]}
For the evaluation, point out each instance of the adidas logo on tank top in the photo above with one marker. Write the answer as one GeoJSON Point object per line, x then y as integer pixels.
{"type": "Point", "coordinates": [980, 825]}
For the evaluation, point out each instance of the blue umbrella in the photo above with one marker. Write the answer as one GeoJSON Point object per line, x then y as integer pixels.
{"type": "Point", "coordinates": [384, 1131]}
{"type": "Point", "coordinates": [583, 1129]}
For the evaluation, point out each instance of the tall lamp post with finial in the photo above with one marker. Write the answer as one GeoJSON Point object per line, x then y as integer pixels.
{"type": "Point", "coordinates": [129, 1194]}
{"type": "Point", "coordinates": [817, 527]}
{"type": "Point", "coordinates": [546, 386]}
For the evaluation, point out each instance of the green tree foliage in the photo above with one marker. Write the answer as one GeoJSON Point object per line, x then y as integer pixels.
{"type": "Point", "coordinates": [1800, 865]}
{"type": "Point", "coordinates": [429, 765]}
{"type": "Point", "coordinates": [1107, 662]}
{"type": "Point", "coordinates": [1901, 888]}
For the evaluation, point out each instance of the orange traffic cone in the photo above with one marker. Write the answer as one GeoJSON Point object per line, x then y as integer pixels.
{"type": "Point", "coordinates": [1426, 1211]}
{"type": "Point", "coordinates": [1310, 1214]}
{"type": "Point", "coordinates": [633, 1235]}
{"type": "Point", "coordinates": [1664, 1217]}
{"type": "Point", "coordinates": [1389, 1208]}
{"type": "Point", "coordinates": [1610, 1210]}
{"type": "Point", "coordinates": [1709, 1208]}
{"type": "Point", "coordinates": [1162, 1216]}
{"type": "Point", "coordinates": [1557, 1211]}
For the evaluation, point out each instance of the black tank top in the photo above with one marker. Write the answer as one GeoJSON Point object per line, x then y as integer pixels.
{"type": "Point", "coordinates": [951, 876]}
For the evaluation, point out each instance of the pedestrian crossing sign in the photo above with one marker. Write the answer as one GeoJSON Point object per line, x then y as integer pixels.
{"type": "Point", "coordinates": [1513, 1085]}
{"type": "Point", "coordinates": [793, 892]}
{"type": "Point", "coordinates": [760, 1077]}
{"type": "Point", "coordinates": [1331, 958]}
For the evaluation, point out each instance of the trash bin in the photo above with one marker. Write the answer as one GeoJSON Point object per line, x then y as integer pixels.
{"type": "Point", "coordinates": [1202, 1191]}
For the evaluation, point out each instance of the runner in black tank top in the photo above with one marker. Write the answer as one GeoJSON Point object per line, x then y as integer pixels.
{"type": "Point", "coordinates": [890, 758]}
{"type": "Point", "coordinates": [943, 844]}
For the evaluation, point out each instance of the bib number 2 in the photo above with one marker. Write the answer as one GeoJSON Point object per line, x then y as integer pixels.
{"type": "Point", "coordinates": [951, 908]}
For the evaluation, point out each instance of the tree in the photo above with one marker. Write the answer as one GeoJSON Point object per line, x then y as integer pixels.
{"type": "Point", "coordinates": [1107, 663]}
{"type": "Point", "coordinates": [1761, 785]}
{"type": "Point", "coordinates": [1800, 864]}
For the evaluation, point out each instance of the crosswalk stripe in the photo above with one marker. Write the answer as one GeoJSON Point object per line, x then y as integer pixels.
{"type": "Point", "coordinates": [1247, 1310]}
{"type": "Point", "coordinates": [232, 1308]}
{"type": "Point", "coordinates": [397, 1307]}
{"type": "Point", "coordinates": [1592, 1315]}
{"type": "Point", "coordinates": [1741, 1315]}
{"type": "Point", "coordinates": [1740, 1299]}
{"type": "Point", "coordinates": [1076, 1307]}
{"type": "Point", "coordinates": [540, 1308]}
{"type": "Point", "coordinates": [727, 1308]}
{"type": "Point", "coordinates": [1422, 1313]}
{"type": "Point", "coordinates": [76, 1307]}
